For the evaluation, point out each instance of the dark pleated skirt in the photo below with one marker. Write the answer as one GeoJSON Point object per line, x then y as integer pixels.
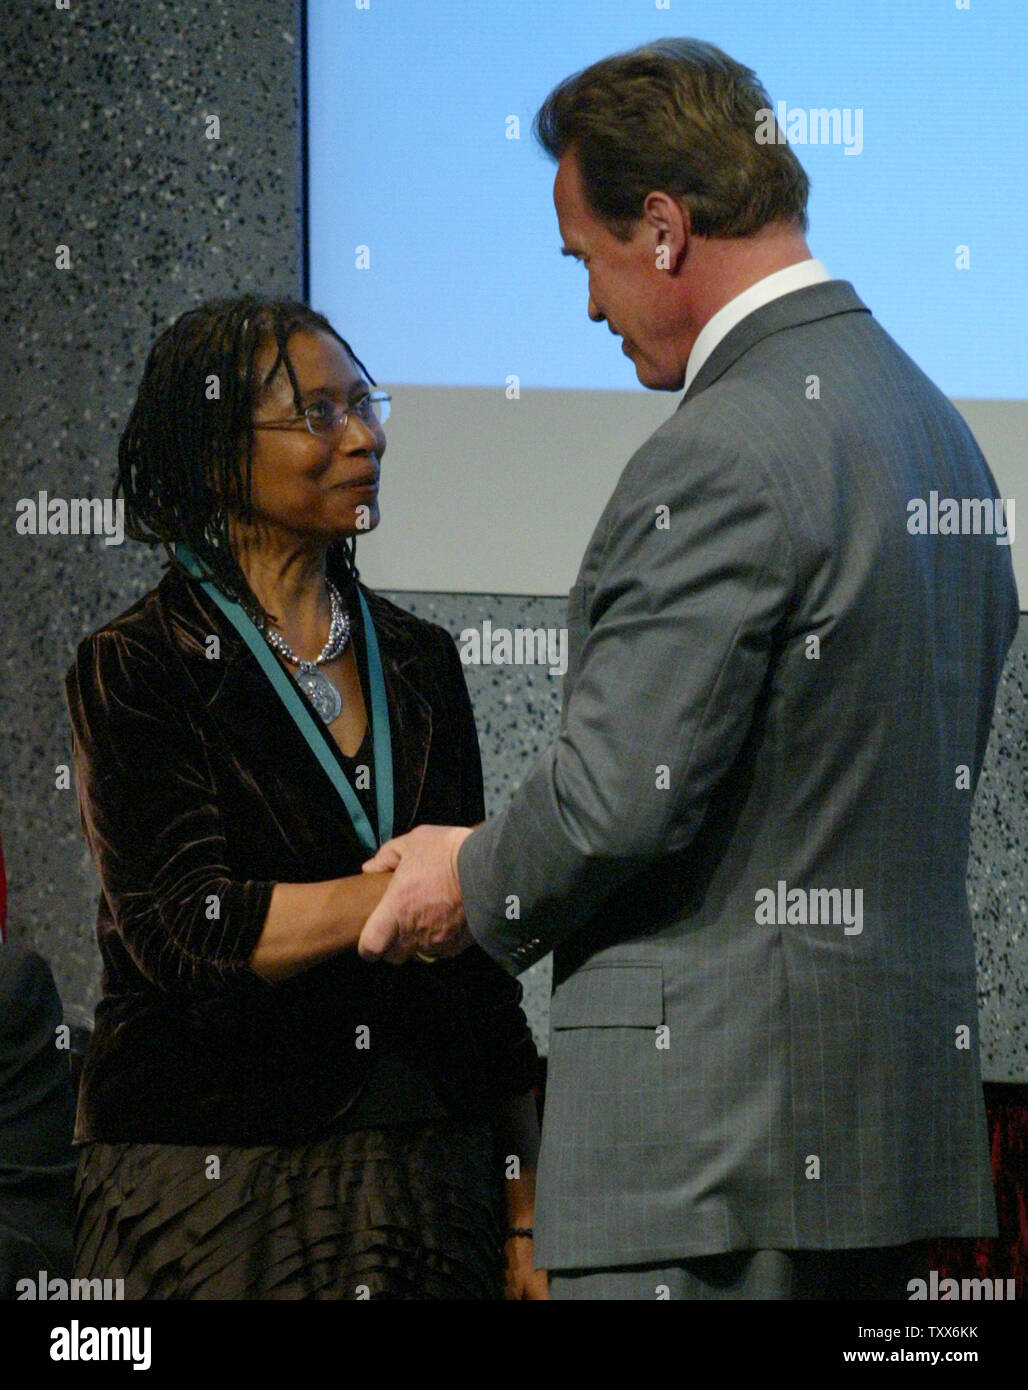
{"type": "Point", "coordinates": [405, 1212]}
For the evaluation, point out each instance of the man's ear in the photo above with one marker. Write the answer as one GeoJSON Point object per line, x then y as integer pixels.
{"type": "Point", "coordinates": [671, 225]}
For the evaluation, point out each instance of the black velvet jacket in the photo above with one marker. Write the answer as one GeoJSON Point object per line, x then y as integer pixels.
{"type": "Point", "coordinates": [198, 793]}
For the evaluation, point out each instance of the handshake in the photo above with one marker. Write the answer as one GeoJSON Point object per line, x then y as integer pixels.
{"type": "Point", "coordinates": [421, 913]}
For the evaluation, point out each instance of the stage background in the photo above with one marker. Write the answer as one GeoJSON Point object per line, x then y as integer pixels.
{"type": "Point", "coordinates": [106, 153]}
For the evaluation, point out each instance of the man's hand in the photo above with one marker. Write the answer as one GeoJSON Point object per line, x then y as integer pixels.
{"type": "Point", "coordinates": [421, 910]}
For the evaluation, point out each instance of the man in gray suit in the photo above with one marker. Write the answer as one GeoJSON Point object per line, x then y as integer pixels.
{"type": "Point", "coordinates": [747, 845]}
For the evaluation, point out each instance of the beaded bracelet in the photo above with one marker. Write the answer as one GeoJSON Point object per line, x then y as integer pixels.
{"type": "Point", "coordinates": [526, 1231]}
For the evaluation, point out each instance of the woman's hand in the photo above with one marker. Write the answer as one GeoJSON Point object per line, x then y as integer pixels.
{"type": "Point", "coordinates": [521, 1279]}
{"type": "Point", "coordinates": [309, 922]}
{"type": "Point", "coordinates": [518, 1150]}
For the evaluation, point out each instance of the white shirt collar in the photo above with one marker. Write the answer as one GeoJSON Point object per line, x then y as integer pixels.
{"type": "Point", "coordinates": [773, 286]}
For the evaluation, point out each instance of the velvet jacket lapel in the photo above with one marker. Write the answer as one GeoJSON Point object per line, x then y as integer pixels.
{"type": "Point", "coordinates": [250, 716]}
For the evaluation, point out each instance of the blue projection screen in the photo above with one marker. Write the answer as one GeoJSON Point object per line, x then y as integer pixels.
{"type": "Point", "coordinates": [433, 244]}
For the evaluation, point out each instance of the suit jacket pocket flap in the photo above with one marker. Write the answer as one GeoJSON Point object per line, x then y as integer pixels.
{"type": "Point", "coordinates": [610, 996]}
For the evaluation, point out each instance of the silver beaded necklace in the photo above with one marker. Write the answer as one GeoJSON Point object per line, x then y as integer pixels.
{"type": "Point", "coordinates": [322, 693]}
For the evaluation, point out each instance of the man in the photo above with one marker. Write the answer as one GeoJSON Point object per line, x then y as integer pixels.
{"type": "Point", "coordinates": [748, 844]}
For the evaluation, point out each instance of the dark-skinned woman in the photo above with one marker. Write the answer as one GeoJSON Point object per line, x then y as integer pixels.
{"type": "Point", "coordinates": [262, 1114]}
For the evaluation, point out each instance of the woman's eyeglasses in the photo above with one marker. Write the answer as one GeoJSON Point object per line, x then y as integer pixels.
{"type": "Point", "coordinates": [330, 417]}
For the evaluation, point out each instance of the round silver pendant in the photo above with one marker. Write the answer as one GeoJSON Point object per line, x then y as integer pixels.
{"type": "Point", "coordinates": [323, 695]}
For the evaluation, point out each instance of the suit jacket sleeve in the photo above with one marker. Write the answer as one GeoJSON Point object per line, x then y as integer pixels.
{"type": "Point", "coordinates": [152, 820]}
{"type": "Point", "coordinates": [680, 623]}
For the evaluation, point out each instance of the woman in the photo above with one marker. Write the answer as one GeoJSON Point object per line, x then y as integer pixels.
{"type": "Point", "coordinates": [261, 1114]}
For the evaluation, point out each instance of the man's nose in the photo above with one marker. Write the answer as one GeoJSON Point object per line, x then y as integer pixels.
{"type": "Point", "coordinates": [594, 312]}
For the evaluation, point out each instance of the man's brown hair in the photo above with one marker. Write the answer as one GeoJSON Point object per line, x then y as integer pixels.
{"type": "Point", "coordinates": [677, 116]}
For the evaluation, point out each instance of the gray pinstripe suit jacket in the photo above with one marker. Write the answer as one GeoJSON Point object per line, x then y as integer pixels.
{"type": "Point", "coordinates": [719, 1080]}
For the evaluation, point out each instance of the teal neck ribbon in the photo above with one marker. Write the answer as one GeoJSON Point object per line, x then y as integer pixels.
{"type": "Point", "coordinates": [306, 722]}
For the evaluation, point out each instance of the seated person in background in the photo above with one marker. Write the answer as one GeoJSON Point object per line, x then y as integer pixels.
{"type": "Point", "coordinates": [262, 1114]}
{"type": "Point", "coordinates": [37, 1112]}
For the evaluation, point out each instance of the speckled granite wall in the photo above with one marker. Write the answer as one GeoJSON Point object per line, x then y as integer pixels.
{"type": "Point", "coordinates": [106, 148]}
{"type": "Point", "coordinates": [997, 876]}
{"type": "Point", "coordinates": [106, 116]}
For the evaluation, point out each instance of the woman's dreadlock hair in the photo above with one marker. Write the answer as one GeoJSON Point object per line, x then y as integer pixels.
{"type": "Point", "coordinates": [185, 457]}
